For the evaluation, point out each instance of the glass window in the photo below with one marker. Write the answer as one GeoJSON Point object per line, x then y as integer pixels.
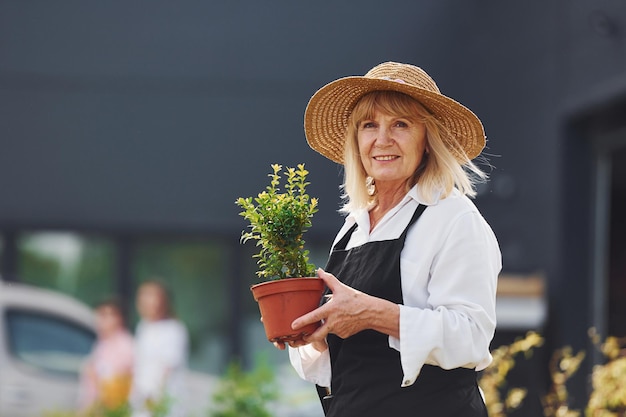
{"type": "Point", "coordinates": [47, 342]}
{"type": "Point", "coordinates": [196, 273]}
{"type": "Point", "coordinates": [79, 265]}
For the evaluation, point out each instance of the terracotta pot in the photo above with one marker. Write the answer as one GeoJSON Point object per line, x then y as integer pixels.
{"type": "Point", "coordinates": [283, 301]}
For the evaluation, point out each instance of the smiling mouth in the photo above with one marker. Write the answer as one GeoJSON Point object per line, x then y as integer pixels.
{"type": "Point", "coordinates": [385, 157]}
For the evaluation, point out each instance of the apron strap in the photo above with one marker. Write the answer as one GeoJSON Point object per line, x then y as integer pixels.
{"type": "Point", "coordinates": [343, 242]}
{"type": "Point", "coordinates": [416, 215]}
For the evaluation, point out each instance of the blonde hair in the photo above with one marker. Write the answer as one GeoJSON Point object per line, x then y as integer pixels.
{"type": "Point", "coordinates": [444, 167]}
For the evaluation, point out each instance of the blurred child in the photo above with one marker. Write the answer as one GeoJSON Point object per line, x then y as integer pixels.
{"type": "Point", "coordinates": [107, 374]}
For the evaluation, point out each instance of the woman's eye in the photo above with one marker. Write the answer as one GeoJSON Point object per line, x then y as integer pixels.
{"type": "Point", "coordinates": [367, 125]}
{"type": "Point", "coordinates": [401, 123]}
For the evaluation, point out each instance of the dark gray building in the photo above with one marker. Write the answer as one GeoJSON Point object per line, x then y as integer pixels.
{"type": "Point", "coordinates": [129, 129]}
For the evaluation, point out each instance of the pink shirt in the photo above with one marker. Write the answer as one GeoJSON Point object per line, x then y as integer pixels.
{"type": "Point", "coordinates": [110, 357]}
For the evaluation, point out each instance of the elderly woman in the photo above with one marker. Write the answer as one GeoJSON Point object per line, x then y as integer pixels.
{"type": "Point", "coordinates": [413, 271]}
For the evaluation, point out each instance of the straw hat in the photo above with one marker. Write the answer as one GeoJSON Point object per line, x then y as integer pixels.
{"type": "Point", "coordinates": [326, 115]}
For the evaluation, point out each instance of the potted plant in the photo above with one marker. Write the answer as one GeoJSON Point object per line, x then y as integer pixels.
{"type": "Point", "coordinates": [278, 220]}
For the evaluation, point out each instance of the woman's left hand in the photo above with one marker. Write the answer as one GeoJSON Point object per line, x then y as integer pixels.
{"type": "Point", "coordinates": [319, 345]}
{"type": "Point", "coordinates": [348, 312]}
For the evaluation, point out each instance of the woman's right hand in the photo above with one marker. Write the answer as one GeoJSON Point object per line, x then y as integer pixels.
{"type": "Point", "coordinates": [349, 311]}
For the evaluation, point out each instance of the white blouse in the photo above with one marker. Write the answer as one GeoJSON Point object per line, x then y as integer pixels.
{"type": "Point", "coordinates": [161, 349]}
{"type": "Point", "coordinates": [449, 268]}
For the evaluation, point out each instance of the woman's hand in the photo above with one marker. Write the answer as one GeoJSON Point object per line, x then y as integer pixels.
{"type": "Point", "coordinates": [348, 312]}
{"type": "Point", "coordinates": [318, 345]}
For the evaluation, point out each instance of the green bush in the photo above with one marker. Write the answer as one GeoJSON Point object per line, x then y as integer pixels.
{"type": "Point", "coordinates": [245, 394]}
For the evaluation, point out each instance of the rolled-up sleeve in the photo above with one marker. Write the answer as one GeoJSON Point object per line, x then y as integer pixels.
{"type": "Point", "coordinates": [311, 365]}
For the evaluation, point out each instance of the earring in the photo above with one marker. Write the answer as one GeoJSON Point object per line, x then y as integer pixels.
{"type": "Point", "coordinates": [370, 184]}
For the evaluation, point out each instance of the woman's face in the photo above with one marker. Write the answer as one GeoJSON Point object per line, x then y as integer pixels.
{"type": "Point", "coordinates": [391, 148]}
{"type": "Point", "coordinates": [108, 320]}
{"type": "Point", "coordinates": [151, 304]}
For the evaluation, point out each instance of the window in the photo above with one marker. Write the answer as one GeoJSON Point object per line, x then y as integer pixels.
{"type": "Point", "coordinates": [79, 265]}
{"type": "Point", "coordinates": [195, 271]}
{"type": "Point", "coordinates": [47, 342]}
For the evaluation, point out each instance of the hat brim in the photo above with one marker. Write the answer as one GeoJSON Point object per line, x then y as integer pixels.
{"type": "Point", "coordinates": [326, 115]}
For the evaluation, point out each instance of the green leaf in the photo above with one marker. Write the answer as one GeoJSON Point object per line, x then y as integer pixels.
{"type": "Point", "coordinates": [278, 220]}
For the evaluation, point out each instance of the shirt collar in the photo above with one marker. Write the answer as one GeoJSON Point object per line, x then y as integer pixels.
{"type": "Point", "coordinates": [418, 194]}
{"type": "Point", "coordinates": [415, 193]}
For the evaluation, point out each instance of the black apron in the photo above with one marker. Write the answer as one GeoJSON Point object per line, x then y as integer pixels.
{"type": "Point", "coordinates": [366, 372]}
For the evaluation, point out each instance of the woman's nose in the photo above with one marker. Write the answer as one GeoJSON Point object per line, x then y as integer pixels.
{"type": "Point", "coordinates": [384, 136]}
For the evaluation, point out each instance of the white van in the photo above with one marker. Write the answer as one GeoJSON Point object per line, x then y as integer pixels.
{"type": "Point", "coordinates": [44, 338]}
